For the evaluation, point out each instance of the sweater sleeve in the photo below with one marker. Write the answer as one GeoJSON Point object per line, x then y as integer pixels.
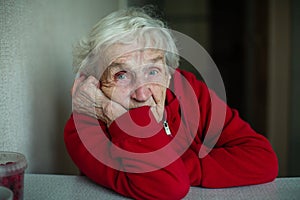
{"type": "Point", "coordinates": [122, 162]}
{"type": "Point", "coordinates": [239, 157]}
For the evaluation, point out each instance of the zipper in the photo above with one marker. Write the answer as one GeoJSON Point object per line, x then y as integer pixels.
{"type": "Point", "coordinates": [167, 129]}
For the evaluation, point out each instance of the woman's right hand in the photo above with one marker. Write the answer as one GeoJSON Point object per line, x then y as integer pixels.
{"type": "Point", "coordinates": [88, 99]}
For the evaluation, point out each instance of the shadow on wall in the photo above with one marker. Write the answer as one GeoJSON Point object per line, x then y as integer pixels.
{"type": "Point", "coordinates": [52, 106]}
{"type": "Point", "coordinates": [52, 78]}
{"type": "Point", "coordinates": [36, 62]}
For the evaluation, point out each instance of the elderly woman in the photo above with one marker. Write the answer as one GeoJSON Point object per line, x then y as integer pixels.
{"type": "Point", "coordinates": [138, 122]}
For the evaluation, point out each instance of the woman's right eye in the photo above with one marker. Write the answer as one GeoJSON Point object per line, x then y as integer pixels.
{"type": "Point", "coordinates": [120, 76]}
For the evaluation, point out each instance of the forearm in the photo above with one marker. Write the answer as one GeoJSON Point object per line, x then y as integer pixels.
{"type": "Point", "coordinates": [240, 157]}
{"type": "Point", "coordinates": [237, 166]}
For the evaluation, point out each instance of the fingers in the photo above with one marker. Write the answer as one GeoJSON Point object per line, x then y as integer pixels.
{"type": "Point", "coordinates": [88, 99]}
{"type": "Point", "coordinates": [82, 105]}
{"type": "Point", "coordinates": [76, 83]}
{"type": "Point", "coordinates": [83, 95]}
{"type": "Point", "coordinates": [80, 80]}
{"type": "Point", "coordinates": [92, 80]}
{"type": "Point", "coordinates": [89, 89]}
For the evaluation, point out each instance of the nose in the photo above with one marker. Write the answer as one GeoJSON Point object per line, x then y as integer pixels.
{"type": "Point", "coordinates": [141, 94]}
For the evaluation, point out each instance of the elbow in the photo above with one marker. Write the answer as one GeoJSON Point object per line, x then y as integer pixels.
{"type": "Point", "coordinates": [175, 185]}
{"type": "Point", "coordinates": [179, 190]}
{"type": "Point", "coordinates": [265, 165]}
{"type": "Point", "coordinates": [174, 190]}
{"type": "Point", "coordinates": [269, 168]}
{"type": "Point", "coordinates": [272, 168]}
{"type": "Point", "coordinates": [166, 187]}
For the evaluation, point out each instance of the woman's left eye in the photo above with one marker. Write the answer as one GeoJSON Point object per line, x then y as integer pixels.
{"type": "Point", "coordinates": [153, 72]}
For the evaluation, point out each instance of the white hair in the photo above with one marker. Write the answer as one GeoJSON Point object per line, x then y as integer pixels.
{"type": "Point", "coordinates": [124, 27]}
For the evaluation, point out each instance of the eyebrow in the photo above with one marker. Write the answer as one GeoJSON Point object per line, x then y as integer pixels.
{"type": "Point", "coordinates": [117, 65]}
{"type": "Point", "coordinates": [156, 59]}
{"type": "Point", "coordinates": [121, 64]}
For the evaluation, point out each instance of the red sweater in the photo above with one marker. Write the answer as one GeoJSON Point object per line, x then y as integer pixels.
{"type": "Point", "coordinates": [239, 157]}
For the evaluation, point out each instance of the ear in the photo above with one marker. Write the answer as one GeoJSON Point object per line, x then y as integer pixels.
{"type": "Point", "coordinates": [168, 80]}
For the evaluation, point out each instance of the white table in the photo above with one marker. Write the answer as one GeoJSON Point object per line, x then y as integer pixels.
{"type": "Point", "coordinates": [65, 187]}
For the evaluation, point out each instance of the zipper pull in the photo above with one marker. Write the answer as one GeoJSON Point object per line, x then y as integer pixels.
{"type": "Point", "coordinates": [167, 129]}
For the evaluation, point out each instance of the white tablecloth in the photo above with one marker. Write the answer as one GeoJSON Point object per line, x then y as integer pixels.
{"type": "Point", "coordinates": [64, 187]}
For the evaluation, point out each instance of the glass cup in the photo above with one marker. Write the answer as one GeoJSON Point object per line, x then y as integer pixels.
{"type": "Point", "coordinates": [5, 193]}
{"type": "Point", "coordinates": [12, 167]}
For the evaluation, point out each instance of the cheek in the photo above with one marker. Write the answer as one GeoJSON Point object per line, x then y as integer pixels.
{"type": "Point", "coordinates": [116, 94]}
{"type": "Point", "coordinates": [160, 93]}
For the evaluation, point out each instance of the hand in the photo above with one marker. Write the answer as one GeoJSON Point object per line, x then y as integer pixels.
{"type": "Point", "coordinates": [88, 99]}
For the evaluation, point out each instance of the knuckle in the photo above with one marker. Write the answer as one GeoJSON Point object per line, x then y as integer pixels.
{"type": "Point", "coordinates": [84, 88]}
{"type": "Point", "coordinates": [106, 107]}
{"type": "Point", "coordinates": [90, 79]}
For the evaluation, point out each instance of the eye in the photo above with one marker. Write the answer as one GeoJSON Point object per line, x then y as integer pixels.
{"type": "Point", "coordinates": [120, 75]}
{"type": "Point", "coordinates": [153, 72]}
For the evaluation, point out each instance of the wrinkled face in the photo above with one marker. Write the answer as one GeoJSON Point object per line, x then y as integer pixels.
{"type": "Point", "coordinates": [138, 78]}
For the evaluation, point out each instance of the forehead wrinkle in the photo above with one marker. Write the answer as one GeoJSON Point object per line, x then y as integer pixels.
{"type": "Point", "coordinates": [137, 58]}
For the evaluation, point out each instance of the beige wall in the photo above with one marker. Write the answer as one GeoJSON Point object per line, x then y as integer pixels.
{"type": "Point", "coordinates": [36, 38]}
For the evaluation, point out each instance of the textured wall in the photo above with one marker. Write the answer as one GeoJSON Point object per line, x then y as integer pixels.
{"type": "Point", "coordinates": [36, 38]}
